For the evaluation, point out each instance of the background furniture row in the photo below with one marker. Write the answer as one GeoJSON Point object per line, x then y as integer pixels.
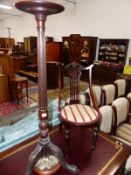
{"type": "Point", "coordinates": [106, 94]}
{"type": "Point", "coordinates": [8, 77]}
{"type": "Point", "coordinates": [73, 48]}
{"type": "Point", "coordinates": [101, 74]}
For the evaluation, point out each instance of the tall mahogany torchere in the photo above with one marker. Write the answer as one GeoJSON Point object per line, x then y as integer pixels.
{"type": "Point", "coordinates": [44, 147]}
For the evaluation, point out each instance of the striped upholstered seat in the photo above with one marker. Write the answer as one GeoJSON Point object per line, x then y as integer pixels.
{"type": "Point", "coordinates": [124, 131]}
{"type": "Point", "coordinates": [79, 114]}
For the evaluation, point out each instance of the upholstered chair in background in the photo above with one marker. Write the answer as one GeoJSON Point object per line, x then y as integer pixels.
{"type": "Point", "coordinates": [108, 94]}
{"type": "Point", "coordinates": [85, 97]}
{"type": "Point", "coordinates": [106, 119]}
{"type": "Point", "coordinates": [120, 85]}
{"type": "Point", "coordinates": [122, 126]}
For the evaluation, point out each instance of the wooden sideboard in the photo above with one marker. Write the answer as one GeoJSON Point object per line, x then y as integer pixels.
{"type": "Point", "coordinates": [104, 74]}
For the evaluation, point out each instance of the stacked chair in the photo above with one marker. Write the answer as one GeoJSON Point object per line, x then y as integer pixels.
{"type": "Point", "coordinates": [122, 126]}
{"type": "Point", "coordinates": [115, 110]}
{"type": "Point", "coordinates": [120, 85]}
{"type": "Point", "coordinates": [109, 94]}
{"type": "Point", "coordinates": [121, 90]}
{"type": "Point", "coordinates": [85, 98]}
{"type": "Point", "coordinates": [107, 119]}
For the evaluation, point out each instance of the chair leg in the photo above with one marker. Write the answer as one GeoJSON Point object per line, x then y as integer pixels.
{"type": "Point", "coordinates": [67, 137]}
{"type": "Point", "coordinates": [95, 134]}
{"type": "Point", "coordinates": [60, 127]}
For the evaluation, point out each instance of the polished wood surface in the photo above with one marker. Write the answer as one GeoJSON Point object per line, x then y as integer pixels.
{"type": "Point", "coordinates": [54, 51]}
{"type": "Point", "coordinates": [109, 158]}
{"type": "Point", "coordinates": [103, 74]}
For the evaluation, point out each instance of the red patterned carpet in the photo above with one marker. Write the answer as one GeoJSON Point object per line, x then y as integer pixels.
{"type": "Point", "coordinates": [10, 107]}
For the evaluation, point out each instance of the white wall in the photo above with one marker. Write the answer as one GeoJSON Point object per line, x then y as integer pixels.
{"type": "Point", "coordinates": [102, 18]}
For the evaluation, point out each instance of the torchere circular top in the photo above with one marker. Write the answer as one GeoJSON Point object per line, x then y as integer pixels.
{"type": "Point", "coordinates": [39, 7]}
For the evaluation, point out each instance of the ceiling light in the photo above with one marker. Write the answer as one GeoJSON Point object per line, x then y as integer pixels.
{"type": "Point", "coordinates": [8, 7]}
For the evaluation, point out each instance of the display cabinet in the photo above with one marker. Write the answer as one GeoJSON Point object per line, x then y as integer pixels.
{"type": "Point", "coordinates": [79, 48]}
{"type": "Point", "coordinates": [30, 44]}
{"type": "Point", "coordinates": [6, 44]}
{"type": "Point", "coordinates": [113, 50]}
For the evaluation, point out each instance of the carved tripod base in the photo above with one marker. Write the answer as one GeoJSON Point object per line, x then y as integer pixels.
{"type": "Point", "coordinates": [52, 150]}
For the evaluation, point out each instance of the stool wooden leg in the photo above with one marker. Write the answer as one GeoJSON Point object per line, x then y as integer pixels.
{"type": "Point", "coordinates": [27, 90]}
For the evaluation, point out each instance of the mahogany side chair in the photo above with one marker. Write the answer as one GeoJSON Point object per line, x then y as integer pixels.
{"type": "Point", "coordinates": [74, 113]}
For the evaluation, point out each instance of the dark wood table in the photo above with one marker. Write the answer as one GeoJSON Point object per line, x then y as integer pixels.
{"type": "Point", "coordinates": [32, 67]}
{"type": "Point", "coordinates": [108, 158]}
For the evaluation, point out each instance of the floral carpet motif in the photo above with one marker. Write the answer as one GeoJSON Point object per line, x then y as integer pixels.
{"type": "Point", "coordinates": [54, 93]}
{"type": "Point", "coordinates": [10, 107]}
